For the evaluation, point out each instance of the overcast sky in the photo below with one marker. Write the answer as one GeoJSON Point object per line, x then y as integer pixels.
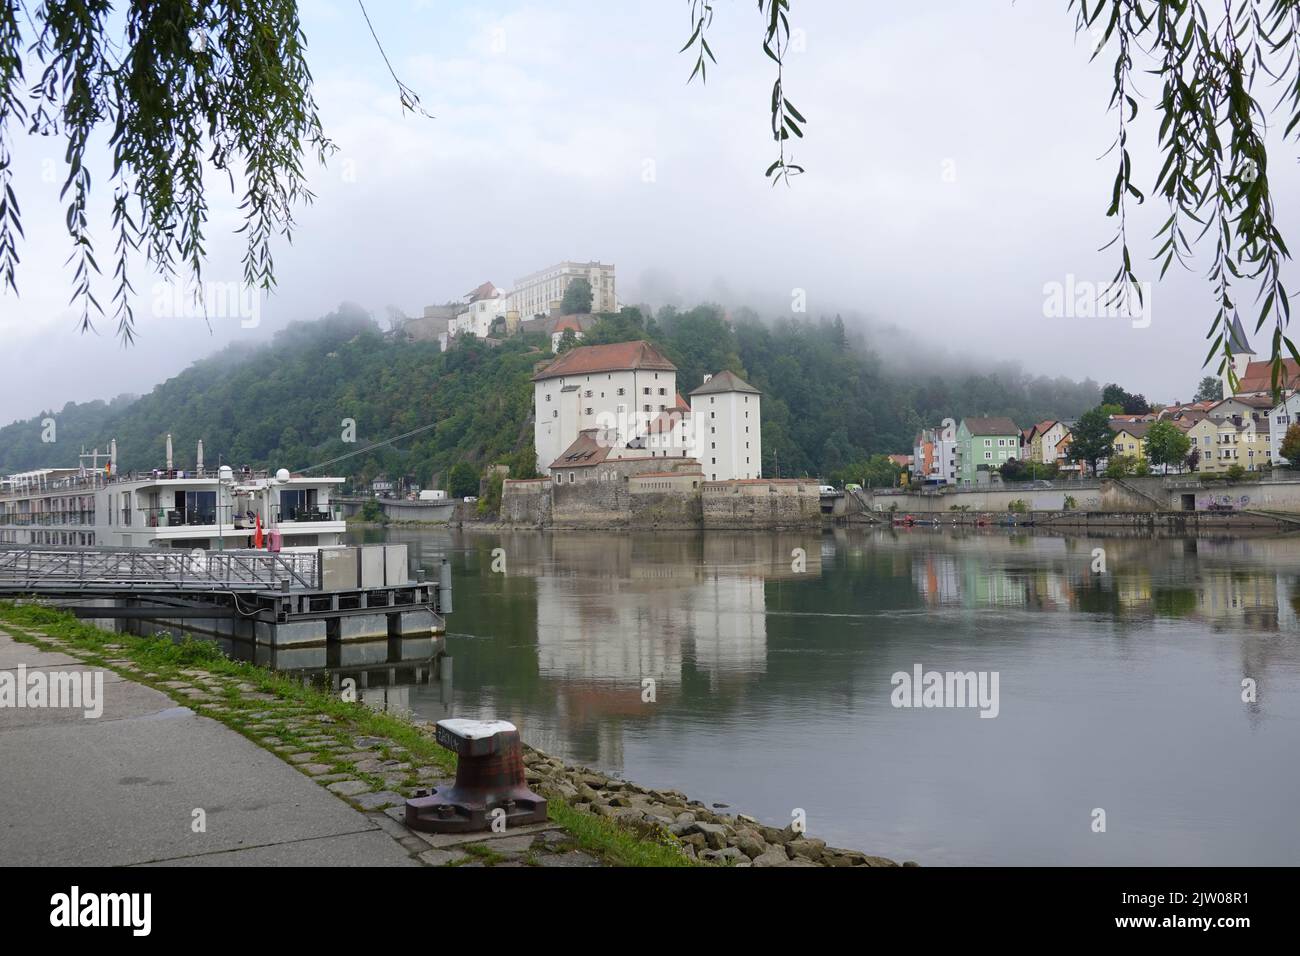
{"type": "Point", "coordinates": [953, 170]}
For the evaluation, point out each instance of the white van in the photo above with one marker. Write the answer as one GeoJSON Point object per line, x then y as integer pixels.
{"type": "Point", "coordinates": [432, 495]}
{"type": "Point", "coordinates": [827, 489]}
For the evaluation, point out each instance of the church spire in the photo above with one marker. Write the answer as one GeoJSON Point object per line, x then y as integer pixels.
{"type": "Point", "coordinates": [1237, 339]}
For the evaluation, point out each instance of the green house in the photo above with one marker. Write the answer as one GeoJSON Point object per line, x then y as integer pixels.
{"type": "Point", "coordinates": [985, 444]}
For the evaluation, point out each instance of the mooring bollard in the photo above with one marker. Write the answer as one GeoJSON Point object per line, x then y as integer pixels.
{"type": "Point", "coordinates": [489, 777]}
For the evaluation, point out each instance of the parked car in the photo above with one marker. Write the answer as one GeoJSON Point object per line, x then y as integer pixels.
{"type": "Point", "coordinates": [827, 489]}
{"type": "Point", "coordinates": [471, 498]}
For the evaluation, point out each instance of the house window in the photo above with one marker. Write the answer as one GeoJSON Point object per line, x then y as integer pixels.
{"type": "Point", "coordinates": [571, 474]}
{"type": "Point", "coordinates": [622, 391]}
{"type": "Point", "coordinates": [588, 411]}
{"type": "Point", "coordinates": [988, 442]}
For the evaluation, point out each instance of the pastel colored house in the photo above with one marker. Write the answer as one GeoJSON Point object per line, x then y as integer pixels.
{"type": "Point", "coordinates": [1044, 440]}
{"type": "Point", "coordinates": [985, 445]}
{"type": "Point", "coordinates": [1280, 418]}
{"type": "Point", "coordinates": [1130, 438]}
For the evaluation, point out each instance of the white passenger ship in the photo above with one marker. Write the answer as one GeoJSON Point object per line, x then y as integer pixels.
{"type": "Point", "coordinates": [94, 505]}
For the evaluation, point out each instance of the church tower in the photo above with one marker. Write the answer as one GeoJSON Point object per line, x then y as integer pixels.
{"type": "Point", "coordinates": [1242, 354]}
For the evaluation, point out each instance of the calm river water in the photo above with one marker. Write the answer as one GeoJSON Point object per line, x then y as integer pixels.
{"type": "Point", "coordinates": [1121, 691]}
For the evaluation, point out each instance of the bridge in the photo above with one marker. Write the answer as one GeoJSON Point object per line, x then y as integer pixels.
{"type": "Point", "coordinates": [288, 598]}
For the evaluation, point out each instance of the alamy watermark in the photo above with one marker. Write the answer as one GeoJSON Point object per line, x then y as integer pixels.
{"type": "Point", "coordinates": [209, 300]}
{"type": "Point", "coordinates": [75, 908]}
{"type": "Point", "coordinates": [1081, 299]}
{"type": "Point", "coordinates": [66, 690]}
{"type": "Point", "coordinates": [923, 688]}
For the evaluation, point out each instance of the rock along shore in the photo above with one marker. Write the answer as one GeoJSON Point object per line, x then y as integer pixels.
{"type": "Point", "coordinates": [669, 816]}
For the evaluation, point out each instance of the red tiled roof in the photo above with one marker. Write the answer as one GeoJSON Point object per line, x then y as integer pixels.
{"type": "Point", "coordinates": [618, 357]}
{"type": "Point", "coordinates": [1259, 377]}
{"type": "Point", "coordinates": [486, 291]}
{"type": "Point", "coordinates": [586, 450]}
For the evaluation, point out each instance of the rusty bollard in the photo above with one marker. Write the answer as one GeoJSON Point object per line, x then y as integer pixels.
{"type": "Point", "coordinates": [489, 776]}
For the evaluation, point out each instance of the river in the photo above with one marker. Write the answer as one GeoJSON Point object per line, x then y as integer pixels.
{"type": "Point", "coordinates": [758, 671]}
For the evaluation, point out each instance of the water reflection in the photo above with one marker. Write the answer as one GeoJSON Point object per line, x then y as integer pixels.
{"type": "Point", "coordinates": [771, 658]}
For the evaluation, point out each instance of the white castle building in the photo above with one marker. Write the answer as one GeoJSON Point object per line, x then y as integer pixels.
{"type": "Point", "coordinates": [620, 402]}
{"type": "Point", "coordinates": [538, 294]}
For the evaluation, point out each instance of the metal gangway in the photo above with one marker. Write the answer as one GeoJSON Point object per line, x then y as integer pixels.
{"type": "Point", "coordinates": [125, 570]}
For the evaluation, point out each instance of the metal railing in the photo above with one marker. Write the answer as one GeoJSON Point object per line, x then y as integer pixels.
{"type": "Point", "coordinates": [106, 569]}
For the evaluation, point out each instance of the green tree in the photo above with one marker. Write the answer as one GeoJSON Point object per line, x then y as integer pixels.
{"type": "Point", "coordinates": [1290, 447]}
{"type": "Point", "coordinates": [523, 463]}
{"type": "Point", "coordinates": [1209, 390]}
{"type": "Point", "coordinates": [568, 340]}
{"type": "Point", "coordinates": [1129, 403]}
{"type": "Point", "coordinates": [875, 472]}
{"type": "Point", "coordinates": [577, 298]}
{"type": "Point", "coordinates": [1091, 438]}
{"type": "Point", "coordinates": [463, 480]}
{"type": "Point", "coordinates": [1121, 466]}
{"type": "Point", "coordinates": [1166, 444]}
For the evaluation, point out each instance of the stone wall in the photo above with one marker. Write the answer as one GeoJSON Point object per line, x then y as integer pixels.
{"type": "Point", "coordinates": [1038, 499]}
{"type": "Point", "coordinates": [1133, 494]}
{"type": "Point", "coordinates": [526, 503]}
{"type": "Point", "coordinates": [765, 503]}
{"type": "Point", "coordinates": [667, 510]}
{"type": "Point", "coordinates": [720, 505]}
{"type": "Point", "coordinates": [592, 503]}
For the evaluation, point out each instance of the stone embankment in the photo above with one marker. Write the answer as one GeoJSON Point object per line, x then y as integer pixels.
{"type": "Point", "coordinates": [670, 816]}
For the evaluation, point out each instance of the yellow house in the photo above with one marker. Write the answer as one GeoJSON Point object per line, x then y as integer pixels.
{"type": "Point", "coordinates": [1130, 438]}
{"type": "Point", "coordinates": [1229, 441]}
{"type": "Point", "coordinates": [1204, 436]}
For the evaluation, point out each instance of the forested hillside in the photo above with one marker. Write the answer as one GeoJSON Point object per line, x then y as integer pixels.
{"type": "Point", "coordinates": [829, 399]}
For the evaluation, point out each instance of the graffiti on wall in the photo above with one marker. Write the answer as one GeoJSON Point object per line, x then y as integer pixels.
{"type": "Point", "coordinates": [1222, 502]}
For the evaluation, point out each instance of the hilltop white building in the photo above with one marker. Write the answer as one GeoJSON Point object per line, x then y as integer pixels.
{"type": "Point", "coordinates": [541, 291]}
{"type": "Point", "coordinates": [486, 304]}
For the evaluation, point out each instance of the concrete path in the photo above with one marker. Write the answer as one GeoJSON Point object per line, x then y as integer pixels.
{"type": "Point", "coordinates": [121, 789]}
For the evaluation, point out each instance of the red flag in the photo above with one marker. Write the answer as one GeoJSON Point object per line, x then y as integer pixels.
{"type": "Point", "coordinates": [257, 535]}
